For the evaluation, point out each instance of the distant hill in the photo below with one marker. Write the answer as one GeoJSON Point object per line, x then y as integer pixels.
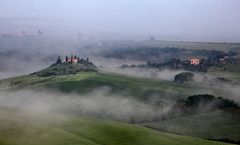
{"type": "Point", "coordinates": [159, 50]}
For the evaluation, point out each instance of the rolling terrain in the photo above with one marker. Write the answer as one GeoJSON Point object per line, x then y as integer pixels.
{"type": "Point", "coordinates": [84, 82]}
{"type": "Point", "coordinates": [18, 127]}
{"type": "Point", "coordinates": [218, 125]}
{"type": "Point", "coordinates": [67, 129]}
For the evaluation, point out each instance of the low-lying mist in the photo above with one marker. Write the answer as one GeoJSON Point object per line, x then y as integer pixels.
{"type": "Point", "coordinates": [98, 103]}
{"type": "Point", "coordinates": [114, 65]}
{"type": "Point", "coordinates": [216, 86]}
{"type": "Point", "coordinates": [21, 55]}
{"type": "Point", "coordinates": [95, 104]}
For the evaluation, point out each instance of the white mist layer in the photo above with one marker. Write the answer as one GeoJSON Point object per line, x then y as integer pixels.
{"type": "Point", "coordinates": [96, 104]}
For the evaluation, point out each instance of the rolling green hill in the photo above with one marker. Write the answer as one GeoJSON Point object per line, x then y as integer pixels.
{"type": "Point", "coordinates": [218, 125]}
{"type": "Point", "coordinates": [85, 82]}
{"type": "Point", "coordinates": [77, 130]}
{"type": "Point", "coordinates": [20, 127]}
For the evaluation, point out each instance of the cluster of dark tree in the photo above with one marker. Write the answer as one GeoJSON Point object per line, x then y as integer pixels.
{"type": "Point", "coordinates": [72, 59]}
{"type": "Point", "coordinates": [219, 61]}
{"type": "Point", "coordinates": [184, 77]}
{"type": "Point", "coordinates": [162, 54]}
{"type": "Point", "coordinates": [145, 53]}
{"type": "Point", "coordinates": [188, 77]}
{"type": "Point", "coordinates": [192, 105]}
{"type": "Point", "coordinates": [176, 64]}
{"type": "Point", "coordinates": [174, 58]}
{"type": "Point", "coordinates": [134, 66]}
{"type": "Point", "coordinates": [201, 104]}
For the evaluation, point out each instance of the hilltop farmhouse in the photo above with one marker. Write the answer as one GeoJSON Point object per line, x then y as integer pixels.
{"type": "Point", "coordinates": [73, 59]}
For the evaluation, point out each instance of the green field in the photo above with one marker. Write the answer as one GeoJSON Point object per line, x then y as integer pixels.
{"type": "Point", "coordinates": [24, 127]}
{"type": "Point", "coordinates": [85, 82]}
{"type": "Point", "coordinates": [19, 127]}
{"type": "Point", "coordinates": [215, 125]}
{"type": "Point", "coordinates": [218, 72]}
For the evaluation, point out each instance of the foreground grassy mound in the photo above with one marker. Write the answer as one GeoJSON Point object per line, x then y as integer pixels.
{"type": "Point", "coordinates": [22, 128]}
{"type": "Point", "coordinates": [218, 125]}
{"type": "Point", "coordinates": [18, 127]}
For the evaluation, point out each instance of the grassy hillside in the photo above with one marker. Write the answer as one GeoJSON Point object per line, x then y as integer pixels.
{"type": "Point", "coordinates": [215, 125]}
{"type": "Point", "coordinates": [234, 75]}
{"type": "Point", "coordinates": [87, 81]}
{"type": "Point", "coordinates": [77, 130]}
{"type": "Point", "coordinates": [19, 127]}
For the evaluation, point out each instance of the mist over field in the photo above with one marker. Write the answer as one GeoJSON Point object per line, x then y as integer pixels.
{"type": "Point", "coordinates": [120, 108]}
{"type": "Point", "coordinates": [99, 103]}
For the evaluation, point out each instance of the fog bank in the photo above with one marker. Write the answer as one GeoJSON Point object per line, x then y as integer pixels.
{"type": "Point", "coordinates": [94, 104]}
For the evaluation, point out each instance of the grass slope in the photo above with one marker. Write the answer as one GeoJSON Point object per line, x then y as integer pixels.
{"type": "Point", "coordinates": [87, 81]}
{"type": "Point", "coordinates": [18, 127]}
{"type": "Point", "coordinates": [214, 125]}
{"type": "Point", "coordinates": [92, 131]}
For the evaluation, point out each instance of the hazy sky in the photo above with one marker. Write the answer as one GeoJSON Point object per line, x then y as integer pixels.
{"type": "Point", "coordinates": [192, 20]}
